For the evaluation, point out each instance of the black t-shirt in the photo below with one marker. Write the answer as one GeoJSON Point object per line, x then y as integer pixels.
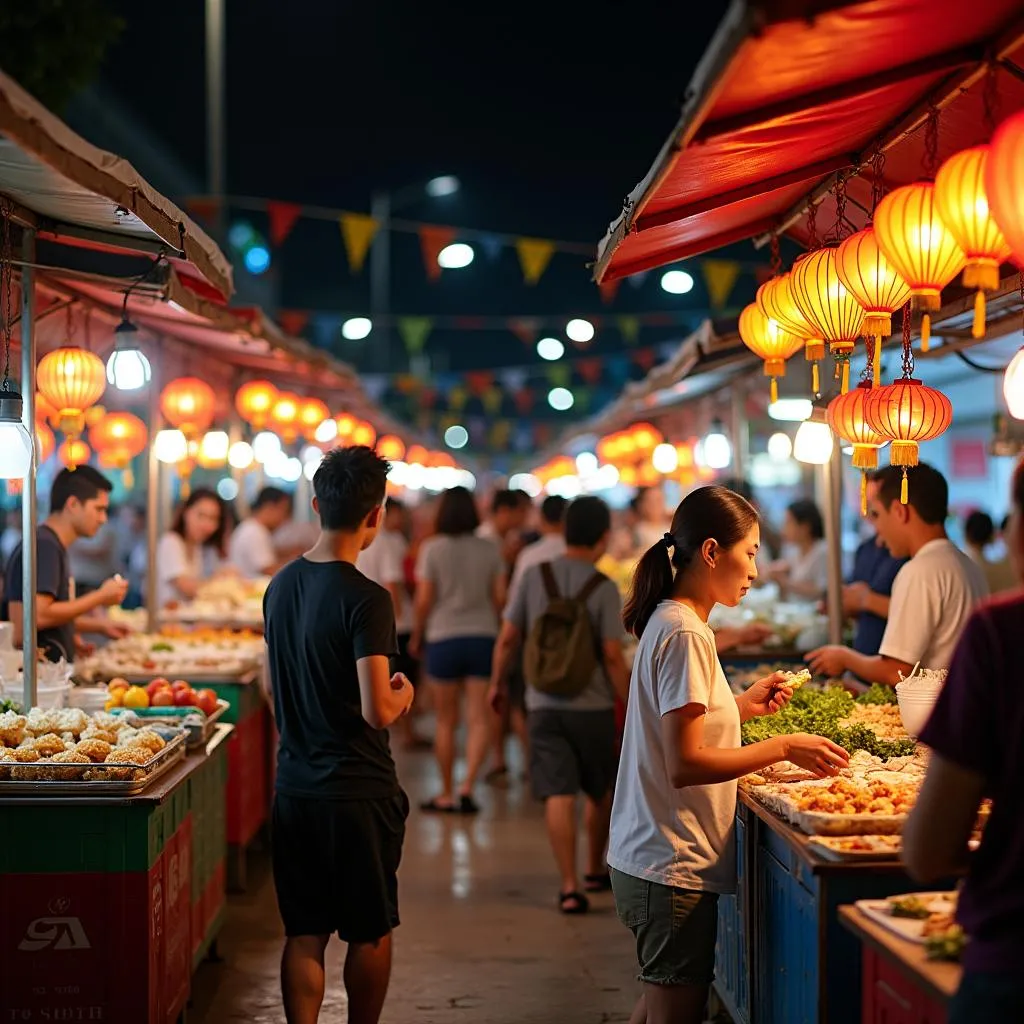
{"type": "Point", "coordinates": [53, 577]}
{"type": "Point", "coordinates": [321, 618]}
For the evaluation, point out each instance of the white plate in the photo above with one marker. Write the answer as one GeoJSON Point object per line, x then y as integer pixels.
{"type": "Point", "coordinates": [907, 927]}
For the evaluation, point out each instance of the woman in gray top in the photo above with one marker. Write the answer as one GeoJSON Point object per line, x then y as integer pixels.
{"type": "Point", "coordinates": [460, 590]}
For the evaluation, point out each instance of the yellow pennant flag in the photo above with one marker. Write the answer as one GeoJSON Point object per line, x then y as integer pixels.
{"type": "Point", "coordinates": [357, 229]}
{"type": "Point", "coordinates": [457, 398]}
{"type": "Point", "coordinates": [719, 276]}
{"type": "Point", "coordinates": [493, 399]}
{"type": "Point", "coordinates": [534, 256]}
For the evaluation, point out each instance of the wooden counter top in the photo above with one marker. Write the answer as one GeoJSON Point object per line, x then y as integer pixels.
{"type": "Point", "coordinates": [939, 980]}
{"type": "Point", "coordinates": [798, 842]}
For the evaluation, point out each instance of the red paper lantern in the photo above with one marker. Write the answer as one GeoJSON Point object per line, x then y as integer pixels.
{"type": "Point", "coordinates": [254, 402]}
{"type": "Point", "coordinates": [284, 416]}
{"type": "Point", "coordinates": [847, 419]}
{"type": "Point", "coordinates": [312, 412]}
{"type": "Point", "coordinates": [188, 403]}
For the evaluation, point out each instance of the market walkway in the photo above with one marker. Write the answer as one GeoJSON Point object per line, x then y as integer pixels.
{"type": "Point", "coordinates": [481, 941]}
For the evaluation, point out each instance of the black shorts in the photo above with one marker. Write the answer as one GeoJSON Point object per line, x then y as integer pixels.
{"type": "Point", "coordinates": [572, 752]}
{"type": "Point", "coordinates": [336, 864]}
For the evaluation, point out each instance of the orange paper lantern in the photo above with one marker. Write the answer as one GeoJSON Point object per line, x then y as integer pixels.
{"type": "Point", "coordinates": [117, 439]}
{"type": "Point", "coordinates": [45, 442]}
{"type": "Point", "coordinates": [45, 411]}
{"type": "Point", "coordinates": [1004, 182]}
{"type": "Point", "coordinates": [417, 455]}
{"type": "Point", "coordinates": [312, 412]}
{"type": "Point", "coordinates": [391, 447]}
{"type": "Point", "coordinates": [923, 251]}
{"type": "Point", "coordinates": [775, 297]}
{"type": "Point", "coordinates": [346, 424]}
{"type": "Point", "coordinates": [73, 453]}
{"type": "Point", "coordinates": [963, 206]}
{"type": "Point", "coordinates": [188, 404]}
{"type": "Point", "coordinates": [769, 341]}
{"type": "Point", "coordinates": [71, 380]}
{"type": "Point", "coordinates": [254, 402]}
{"type": "Point", "coordinates": [645, 438]}
{"type": "Point", "coordinates": [284, 416]}
{"type": "Point", "coordinates": [907, 412]}
{"type": "Point", "coordinates": [873, 282]}
{"type": "Point", "coordinates": [363, 433]}
{"type": "Point", "coordinates": [826, 302]}
{"type": "Point", "coordinates": [847, 419]}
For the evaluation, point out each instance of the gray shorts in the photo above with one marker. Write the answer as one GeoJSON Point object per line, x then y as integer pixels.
{"type": "Point", "coordinates": [572, 752]}
{"type": "Point", "coordinates": [675, 930]}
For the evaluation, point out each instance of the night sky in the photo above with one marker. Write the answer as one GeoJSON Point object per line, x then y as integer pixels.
{"type": "Point", "coordinates": [549, 113]}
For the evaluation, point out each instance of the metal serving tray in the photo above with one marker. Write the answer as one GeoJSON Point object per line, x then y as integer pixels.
{"type": "Point", "coordinates": [162, 763]}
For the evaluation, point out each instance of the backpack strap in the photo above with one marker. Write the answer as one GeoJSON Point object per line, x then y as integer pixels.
{"type": "Point", "coordinates": [590, 586]}
{"type": "Point", "coordinates": [550, 585]}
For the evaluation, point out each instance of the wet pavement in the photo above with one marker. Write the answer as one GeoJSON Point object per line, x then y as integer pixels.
{"type": "Point", "coordinates": [481, 940]}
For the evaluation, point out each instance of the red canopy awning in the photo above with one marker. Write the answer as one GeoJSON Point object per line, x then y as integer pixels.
{"type": "Point", "coordinates": [791, 93]}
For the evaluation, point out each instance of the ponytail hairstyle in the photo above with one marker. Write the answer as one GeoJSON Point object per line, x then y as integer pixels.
{"type": "Point", "coordinates": [706, 513]}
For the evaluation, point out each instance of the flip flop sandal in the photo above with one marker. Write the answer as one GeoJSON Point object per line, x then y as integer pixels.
{"type": "Point", "coordinates": [597, 883]}
{"type": "Point", "coordinates": [467, 805]}
{"type": "Point", "coordinates": [573, 903]}
{"type": "Point", "coordinates": [436, 806]}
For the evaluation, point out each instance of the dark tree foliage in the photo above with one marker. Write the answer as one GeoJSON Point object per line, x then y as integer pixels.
{"type": "Point", "coordinates": [53, 48]}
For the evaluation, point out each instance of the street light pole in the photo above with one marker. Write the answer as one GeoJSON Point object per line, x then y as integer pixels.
{"type": "Point", "coordinates": [380, 277]}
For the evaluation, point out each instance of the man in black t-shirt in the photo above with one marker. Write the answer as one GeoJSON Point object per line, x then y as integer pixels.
{"type": "Point", "coordinates": [79, 501]}
{"type": "Point", "coordinates": [339, 813]}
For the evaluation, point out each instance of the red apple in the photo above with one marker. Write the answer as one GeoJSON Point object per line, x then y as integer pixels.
{"type": "Point", "coordinates": [157, 684]}
{"type": "Point", "coordinates": [184, 698]}
{"type": "Point", "coordinates": [162, 698]}
{"type": "Point", "coordinates": [180, 684]}
{"type": "Point", "coordinates": [206, 701]}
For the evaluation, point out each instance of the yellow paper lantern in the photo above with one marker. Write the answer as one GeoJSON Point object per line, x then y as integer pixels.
{"type": "Point", "coordinates": [254, 401]}
{"type": "Point", "coordinates": [71, 380]}
{"type": "Point", "coordinates": [391, 447]}
{"type": "Point", "coordinates": [189, 404]}
{"type": "Point", "coordinates": [963, 206]}
{"type": "Point", "coordinates": [312, 412]}
{"type": "Point", "coordinates": [284, 416]}
{"type": "Point", "coordinates": [775, 297]}
{"type": "Point", "coordinates": [769, 341]}
{"type": "Point", "coordinates": [74, 453]}
{"type": "Point", "coordinates": [916, 241]}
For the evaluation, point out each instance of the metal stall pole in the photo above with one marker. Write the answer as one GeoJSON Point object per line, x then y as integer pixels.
{"type": "Point", "coordinates": [28, 494]}
{"type": "Point", "coordinates": [740, 433]}
{"type": "Point", "coordinates": [832, 495]}
{"type": "Point", "coordinates": [153, 494]}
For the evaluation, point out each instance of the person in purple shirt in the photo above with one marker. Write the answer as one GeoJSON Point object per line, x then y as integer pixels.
{"type": "Point", "coordinates": [976, 734]}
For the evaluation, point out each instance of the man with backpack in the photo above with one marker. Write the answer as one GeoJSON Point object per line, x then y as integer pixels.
{"type": "Point", "coordinates": [570, 617]}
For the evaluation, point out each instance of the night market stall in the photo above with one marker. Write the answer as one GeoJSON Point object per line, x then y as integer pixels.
{"type": "Point", "coordinates": [883, 138]}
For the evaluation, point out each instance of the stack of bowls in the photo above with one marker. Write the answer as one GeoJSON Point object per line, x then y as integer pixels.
{"type": "Point", "coordinates": [916, 698]}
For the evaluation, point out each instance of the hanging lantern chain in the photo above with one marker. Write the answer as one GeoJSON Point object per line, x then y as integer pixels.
{"type": "Point", "coordinates": [877, 179]}
{"type": "Point", "coordinates": [990, 98]}
{"type": "Point", "coordinates": [868, 372]}
{"type": "Point", "coordinates": [6, 287]}
{"type": "Point", "coordinates": [931, 142]}
{"type": "Point", "coordinates": [908, 349]}
{"type": "Point", "coordinates": [840, 194]}
{"type": "Point", "coordinates": [812, 227]}
{"type": "Point", "coordinates": [776, 255]}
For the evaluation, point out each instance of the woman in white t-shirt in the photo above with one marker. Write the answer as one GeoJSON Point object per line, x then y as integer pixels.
{"type": "Point", "coordinates": [190, 551]}
{"type": "Point", "coordinates": [672, 846]}
{"type": "Point", "coordinates": [803, 571]}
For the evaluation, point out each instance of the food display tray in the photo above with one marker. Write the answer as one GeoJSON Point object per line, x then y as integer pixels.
{"type": "Point", "coordinates": [161, 764]}
{"type": "Point", "coordinates": [195, 735]}
{"type": "Point", "coordinates": [816, 823]}
{"type": "Point", "coordinates": [827, 847]}
{"type": "Point", "coordinates": [909, 928]}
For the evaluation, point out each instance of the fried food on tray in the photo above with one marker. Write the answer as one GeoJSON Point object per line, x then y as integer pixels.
{"type": "Point", "coordinates": [41, 722]}
{"type": "Point", "coordinates": [25, 755]}
{"type": "Point", "coordinates": [63, 774]}
{"type": "Point", "coordinates": [845, 797]}
{"type": "Point", "coordinates": [94, 750]}
{"type": "Point", "coordinates": [148, 738]}
{"type": "Point", "coordinates": [96, 733]}
{"type": "Point", "coordinates": [12, 728]}
{"type": "Point", "coordinates": [112, 723]}
{"type": "Point", "coordinates": [48, 745]}
{"type": "Point", "coordinates": [133, 754]}
{"type": "Point", "coordinates": [126, 736]}
{"type": "Point", "coordinates": [73, 720]}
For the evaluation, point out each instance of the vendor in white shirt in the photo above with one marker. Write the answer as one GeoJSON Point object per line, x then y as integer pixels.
{"type": "Point", "coordinates": [933, 595]}
{"type": "Point", "coordinates": [189, 552]}
{"type": "Point", "coordinates": [802, 574]}
{"type": "Point", "coordinates": [550, 546]}
{"type": "Point", "coordinates": [251, 550]}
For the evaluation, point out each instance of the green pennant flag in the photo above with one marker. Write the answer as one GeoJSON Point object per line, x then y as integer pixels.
{"type": "Point", "coordinates": [559, 375]}
{"type": "Point", "coordinates": [629, 328]}
{"type": "Point", "coordinates": [414, 331]}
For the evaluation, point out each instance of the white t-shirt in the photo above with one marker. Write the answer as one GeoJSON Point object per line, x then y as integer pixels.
{"type": "Point", "coordinates": [547, 549]}
{"type": "Point", "coordinates": [678, 837]}
{"type": "Point", "coordinates": [251, 550]}
{"type": "Point", "coordinates": [384, 563]}
{"type": "Point", "coordinates": [811, 567]}
{"type": "Point", "coordinates": [933, 596]}
{"type": "Point", "coordinates": [173, 560]}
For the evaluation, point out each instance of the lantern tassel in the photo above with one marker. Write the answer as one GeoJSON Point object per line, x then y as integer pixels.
{"type": "Point", "coordinates": [774, 390]}
{"type": "Point", "coordinates": [926, 332]}
{"type": "Point", "coordinates": [978, 327]}
{"type": "Point", "coordinates": [903, 489]}
{"type": "Point", "coordinates": [864, 495]}
{"type": "Point", "coordinates": [815, 379]}
{"type": "Point", "coordinates": [846, 376]}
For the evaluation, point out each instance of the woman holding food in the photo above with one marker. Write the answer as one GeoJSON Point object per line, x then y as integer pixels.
{"type": "Point", "coordinates": [189, 552]}
{"type": "Point", "coordinates": [672, 849]}
{"type": "Point", "coordinates": [976, 736]}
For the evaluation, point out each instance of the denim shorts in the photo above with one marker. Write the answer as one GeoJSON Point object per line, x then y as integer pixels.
{"type": "Point", "coordinates": [467, 657]}
{"type": "Point", "coordinates": [675, 930]}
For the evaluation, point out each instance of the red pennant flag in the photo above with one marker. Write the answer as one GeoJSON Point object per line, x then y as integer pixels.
{"type": "Point", "coordinates": [433, 238]}
{"type": "Point", "coordinates": [282, 217]}
{"type": "Point", "coordinates": [525, 330]}
{"type": "Point", "coordinates": [524, 400]}
{"type": "Point", "coordinates": [590, 369]}
{"type": "Point", "coordinates": [609, 289]}
{"type": "Point", "coordinates": [293, 321]}
{"type": "Point", "coordinates": [645, 358]}
{"type": "Point", "coordinates": [203, 208]}
{"type": "Point", "coordinates": [479, 381]}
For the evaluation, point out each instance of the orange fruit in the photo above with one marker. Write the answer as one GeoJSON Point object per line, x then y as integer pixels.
{"type": "Point", "coordinates": [135, 697]}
